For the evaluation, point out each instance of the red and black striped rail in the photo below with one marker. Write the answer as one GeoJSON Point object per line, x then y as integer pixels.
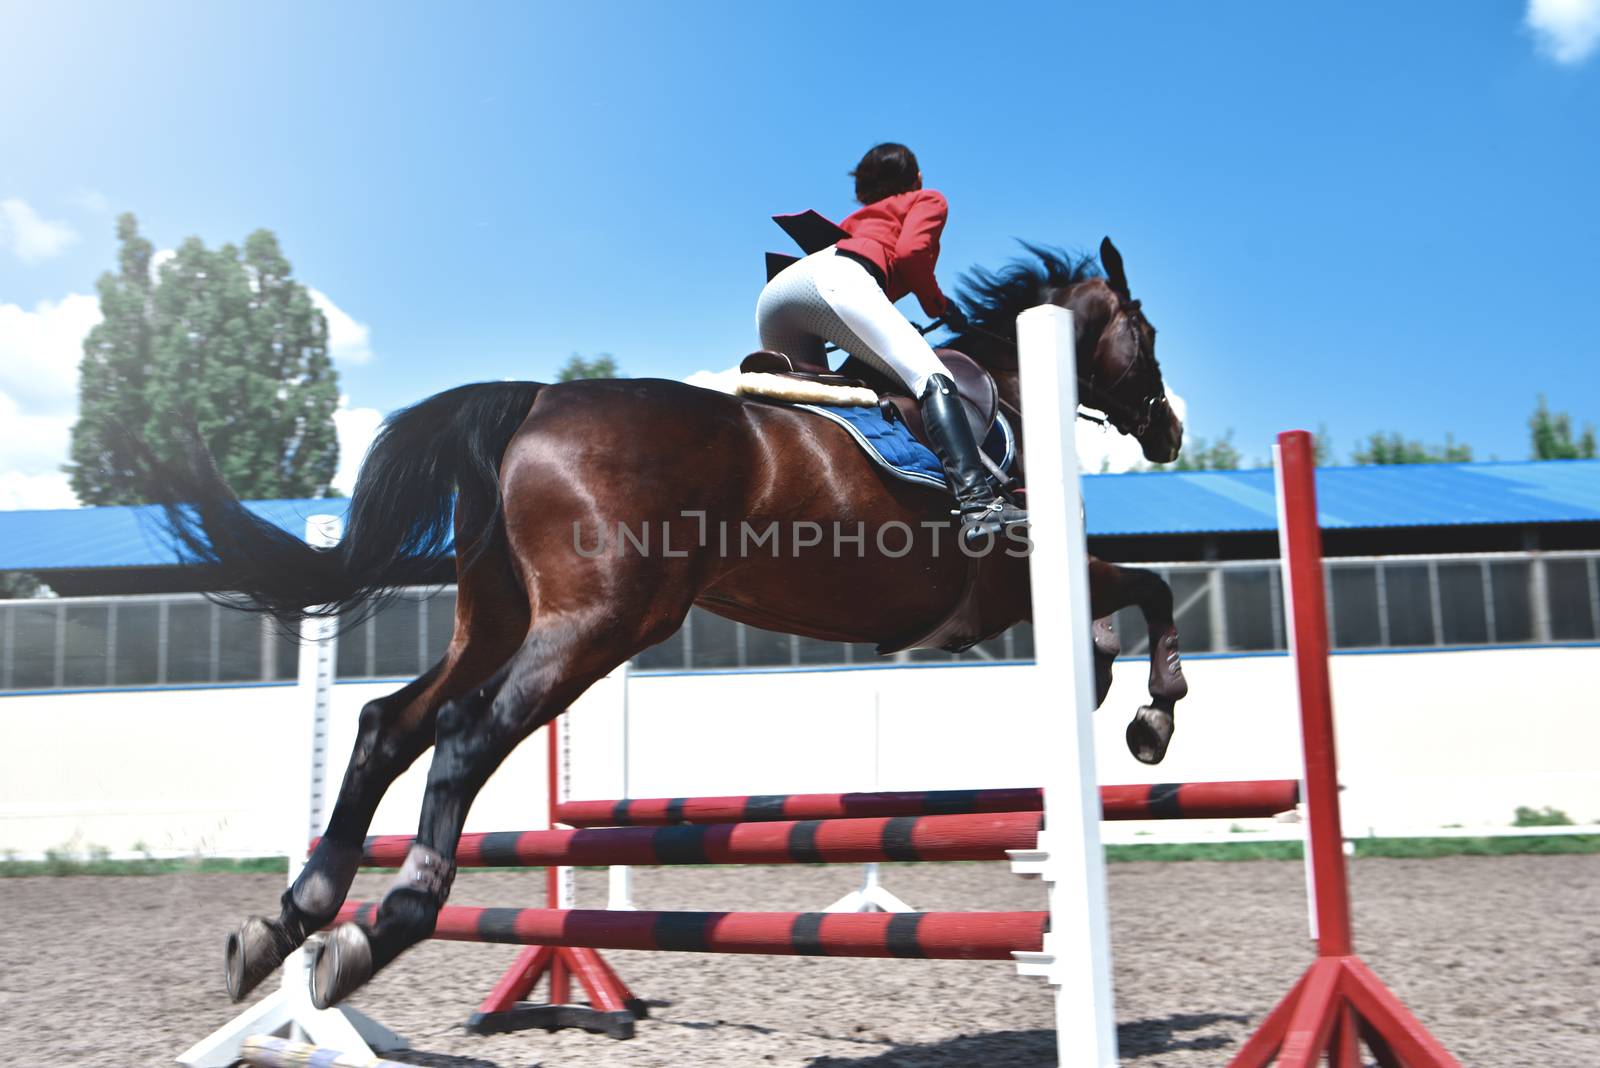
{"type": "Point", "coordinates": [1156, 801]}
{"type": "Point", "coordinates": [927, 935]}
{"type": "Point", "coordinates": [975, 836]}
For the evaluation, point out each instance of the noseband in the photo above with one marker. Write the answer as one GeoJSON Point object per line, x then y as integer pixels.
{"type": "Point", "coordinates": [1134, 419]}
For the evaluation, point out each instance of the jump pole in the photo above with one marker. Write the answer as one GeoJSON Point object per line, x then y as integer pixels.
{"type": "Point", "coordinates": [1076, 953]}
{"type": "Point", "coordinates": [287, 1011]}
{"type": "Point", "coordinates": [1338, 1002]}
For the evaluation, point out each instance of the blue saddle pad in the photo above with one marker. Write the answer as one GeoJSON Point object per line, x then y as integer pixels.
{"type": "Point", "coordinates": [889, 444]}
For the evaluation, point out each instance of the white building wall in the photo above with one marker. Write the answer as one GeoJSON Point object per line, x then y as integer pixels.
{"type": "Point", "coordinates": [1426, 740]}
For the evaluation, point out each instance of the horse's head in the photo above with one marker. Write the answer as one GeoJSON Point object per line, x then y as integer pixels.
{"type": "Point", "coordinates": [1116, 345]}
{"type": "Point", "coordinates": [1117, 368]}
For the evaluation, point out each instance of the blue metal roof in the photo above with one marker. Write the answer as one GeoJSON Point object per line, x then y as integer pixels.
{"type": "Point", "coordinates": [1168, 502]}
{"type": "Point", "coordinates": [120, 536]}
{"type": "Point", "coordinates": [1403, 495]}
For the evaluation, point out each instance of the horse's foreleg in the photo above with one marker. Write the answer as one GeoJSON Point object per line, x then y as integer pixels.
{"type": "Point", "coordinates": [1106, 648]}
{"type": "Point", "coordinates": [1113, 588]}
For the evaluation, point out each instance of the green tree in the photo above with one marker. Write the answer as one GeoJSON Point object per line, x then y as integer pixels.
{"type": "Point", "coordinates": [1201, 455]}
{"type": "Point", "coordinates": [225, 336]}
{"type": "Point", "coordinates": [1395, 449]}
{"type": "Point", "coordinates": [602, 366]}
{"type": "Point", "coordinates": [19, 584]}
{"type": "Point", "coordinates": [1322, 446]}
{"type": "Point", "coordinates": [1552, 436]}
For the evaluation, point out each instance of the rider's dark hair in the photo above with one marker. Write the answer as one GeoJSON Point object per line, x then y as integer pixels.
{"type": "Point", "coordinates": [885, 170]}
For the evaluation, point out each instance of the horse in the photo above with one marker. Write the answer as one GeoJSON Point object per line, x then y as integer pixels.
{"type": "Point", "coordinates": [510, 481]}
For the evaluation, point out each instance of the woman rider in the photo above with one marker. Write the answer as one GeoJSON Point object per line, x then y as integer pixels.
{"type": "Point", "coordinates": [845, 295]}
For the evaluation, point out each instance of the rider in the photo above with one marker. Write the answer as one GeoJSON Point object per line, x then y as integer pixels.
{"type": "Point", "coordinates": [845, 293]}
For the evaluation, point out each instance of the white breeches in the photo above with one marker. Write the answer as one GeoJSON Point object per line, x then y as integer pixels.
{"type": "Point", "coordinates": [831, 298]}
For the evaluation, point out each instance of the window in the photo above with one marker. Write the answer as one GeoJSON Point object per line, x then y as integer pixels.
{"type": "Point", "coordinates": [1248, 604]}
{"type": "Point", "coordinates": [1354, 601]}
{"type": "Point", "coordinates": [85, 632]}
{"type": "Point", "coordinates": [189, 635]}
{"type": "Point", "coordinates": [1191, 609]}
{"type": "Point", "coordinates": [285, 651]}
{"type": "Point", "coordinates": [1408, 602]}
{"type": "Point", "coordinates": [239, 646]}
{"type": "Point", "coordinates": [351, 659]}
{"type": "Point", "coordinates": [138, 640]}
{"type": "Point", "coordinates": [33, 646]}
{"type": "Point", "coordinates": [1513, 606]}
{"type": "Point", "coordinates": [1461, 604]}
{"type": "Point", "coordinates": [396, 638]}
{"type": "Point", "coordinates": [1569, 591]}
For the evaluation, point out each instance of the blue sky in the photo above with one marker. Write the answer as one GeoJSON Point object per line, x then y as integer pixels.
{"type": "Point", "coordinates": [1367, 216]}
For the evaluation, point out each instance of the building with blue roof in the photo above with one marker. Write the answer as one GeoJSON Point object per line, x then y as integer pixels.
{"type": "Point", "coordinates": [1169, 516]}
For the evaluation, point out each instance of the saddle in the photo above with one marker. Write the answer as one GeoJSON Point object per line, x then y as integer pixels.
{"type": "Point", "coordinates": [974, 385]}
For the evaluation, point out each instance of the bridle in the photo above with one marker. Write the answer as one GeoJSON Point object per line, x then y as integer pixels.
{"type": "Point", "coordinates": [1132, 419]}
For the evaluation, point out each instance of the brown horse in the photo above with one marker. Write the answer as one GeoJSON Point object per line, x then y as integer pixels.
{"type": "Point", "coordinates": [756, 511]}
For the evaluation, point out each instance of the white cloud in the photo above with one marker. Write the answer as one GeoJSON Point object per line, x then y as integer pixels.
{"type": "Point", "coordinates": [48, 490]}
{"type": "Point", "coordinates": [39, 354]}
{"type": "Point", "coordinates": [32, 450]}
{"type": "Point", "coordinates": [32, 442]}
{"type": "Point", "coordinates": [159, 258]}
{"type": "Point", "coordinates": [721, 381]}
{"type": "Point", "coordinates": [348, 340]}
{"type": "Point", "coordinates": [40, 351]}
{"type": "Point", "coordinates": [1568, 31]}
{"type": "Point", "coordinates": [356, 428]}
{"type": "Point", "coordinates": [30, 237]}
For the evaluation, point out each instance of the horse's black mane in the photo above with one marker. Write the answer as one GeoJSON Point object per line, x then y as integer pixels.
{"type": "Point", "coordinates": [994, 299]}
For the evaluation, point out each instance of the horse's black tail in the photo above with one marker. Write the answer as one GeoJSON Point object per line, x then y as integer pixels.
{"type": "Point", "coordinates": [398, 527]}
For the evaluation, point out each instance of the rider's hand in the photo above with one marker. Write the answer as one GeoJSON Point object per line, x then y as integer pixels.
{"type": "Point", "coordinates": [955, 320]}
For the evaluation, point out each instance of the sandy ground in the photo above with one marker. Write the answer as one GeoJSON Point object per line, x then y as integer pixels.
{"type": "Point", "coordinates": [1500, 957]}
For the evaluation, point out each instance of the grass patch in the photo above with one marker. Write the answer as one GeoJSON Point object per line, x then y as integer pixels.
{"type": "Point", "coordinates": [61, 864]}
{"type": "Point", "coordinates": [1478, 847]}
{"type": "Point", "coordinates": [1365, 847]}
{"type": "Point", "coordinates": [1168, 851]}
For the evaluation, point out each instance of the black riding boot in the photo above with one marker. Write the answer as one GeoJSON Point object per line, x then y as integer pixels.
{"type": "Point", "coordinates": [982, 508]}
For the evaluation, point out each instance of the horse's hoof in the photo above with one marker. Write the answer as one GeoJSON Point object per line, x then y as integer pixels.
{"type": "Point", "coordinates": [253, 953]}
{"type": "Point", "coordinates": [340, 965]}
{"type": "Point", "coordinates": [1149, 733]}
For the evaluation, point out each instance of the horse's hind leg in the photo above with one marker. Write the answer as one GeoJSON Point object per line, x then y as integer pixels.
{"type": "Point", "coordinates": [1113, 588]}
{"type": "Point", "coordinates": [393, 732]}
{"type": "Point", "coordinates": [557, 661]}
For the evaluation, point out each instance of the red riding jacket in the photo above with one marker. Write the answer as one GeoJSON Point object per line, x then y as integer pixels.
{"type": "Point", "coordinates": [900, 236]}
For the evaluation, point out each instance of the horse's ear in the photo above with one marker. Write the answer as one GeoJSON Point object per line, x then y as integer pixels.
{"type": "Point", "coordinates": [1111, 260]}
